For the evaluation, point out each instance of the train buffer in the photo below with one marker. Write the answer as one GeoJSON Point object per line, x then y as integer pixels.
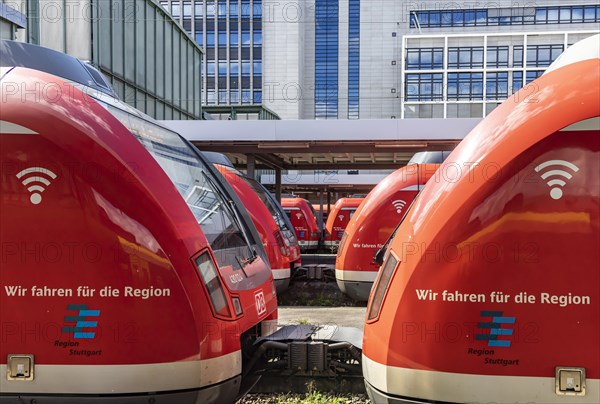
{"type": "Point", "coordinates": [296, 353]}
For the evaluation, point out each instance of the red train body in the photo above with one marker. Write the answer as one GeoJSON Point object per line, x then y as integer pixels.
{"type": "Point", "coordinates": [489, 290]}
{"type": "Point", "coordinates": [272, 237]}
{"type": "Point", "coordinates": [338, 219]}
{"type": "Point", "coordinates": [117, 278]}
{"type": "Point", "coordinates": [304, 221]}
{"type": "Point", "coordinates": [371, 226]}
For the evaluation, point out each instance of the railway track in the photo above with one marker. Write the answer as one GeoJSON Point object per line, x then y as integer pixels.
{"type": "Point", "coordinates": [306, 366]}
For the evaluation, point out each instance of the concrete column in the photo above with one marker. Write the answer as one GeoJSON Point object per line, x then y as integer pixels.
{"type": "Point", "coordinates": [278, 184]}
{"type": "Point", "coordinates": [320, 219]}
{"type": "Point", "coordinates": [250, 164]}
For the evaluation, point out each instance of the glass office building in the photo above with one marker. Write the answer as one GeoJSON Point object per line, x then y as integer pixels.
{"type": "Point", "coordinates": [425, 59]}
{"type": "Point", "coordinates": [498, 52]}
{"type": "Point", "coordinates": [152, 63]}
{"type": "Point", "coordinates": [230, 32]}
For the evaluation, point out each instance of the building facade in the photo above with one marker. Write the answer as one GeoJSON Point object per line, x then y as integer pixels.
{"type": "Point", "coordinates": [152, 63]}
{"type": "Point", "coordinates": [11, 21]}
{"type": "Point", "coordinates": [382, 59]}
{"type": "Point", "coordinates": [230, 31]}
{"type": "Point", "coordinates": [378, 59]}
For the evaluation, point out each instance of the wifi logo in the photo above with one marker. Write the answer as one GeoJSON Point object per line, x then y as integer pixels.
{"type": "Point", "coordinates": [555, 170]}
{"type": "Point", "coordinates": [36, 179]}
{"type": "Point", "coordinates": [399, 204]}
{"type": "Point", "coordinates": [341, 217]}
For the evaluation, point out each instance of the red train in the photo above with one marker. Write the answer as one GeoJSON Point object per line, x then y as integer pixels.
{"type": "Point", "coordinates": [303, 218]}
{"type": "Point", "coordinates": [489, 290]}
{"type": "Point", "coordinates": [372, 225]}
{"type": "Point", "coordinates": [129, 273]}
{"type": "Point", "coordinates": [279, 242]}
{"type": "Point", "coordinates": [338, 219]}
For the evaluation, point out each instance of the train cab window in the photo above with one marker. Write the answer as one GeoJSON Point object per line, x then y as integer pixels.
{"type": "Point", "coordinates": [211, 208]}
{"type": "Point", "coordinates": [265, 199]}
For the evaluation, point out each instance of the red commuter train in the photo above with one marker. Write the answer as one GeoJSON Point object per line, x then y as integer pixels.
{"type": "Point", "coordinates": [489, 290]}
{"type": "Point", "coordinates": [337, 220]}
{"type": "Point", "coordinates": [303, 218]}
{"type": "Point", "coordinates": [371, 226]}
{"type": "Point", "coordinates": [272, 238]}
{"type": "Point", "coordinates": [129, 273]}
{"type": "Point", "coordinates": [279, 215]}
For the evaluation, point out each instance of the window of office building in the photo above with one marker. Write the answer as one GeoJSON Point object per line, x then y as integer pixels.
{"type": "Point", "coordinates": [542, 55]}
{"type": "Point", "coordinates": [424, 111]}
{"type": "Point", "coordinates": [496, 86]}
{"type": "Point", "coordinates": [353, 58]}
{"type": "Point", "coordinates": [465, 86]}
{"type": "Point", "coordinates": [187, 9]}
{"type": "Point", "coordinates": [198, 8]}
{"type": "Point", "coordinates": [518, 56]}
{"type": "Point", "coordinates": [450, 18]}
{"type": "Point", "coordinates": [517, 81]}
{"type": "Point", "coordinates": [497, 56]}
{"type": "Point", "coordinates": [424, 58]}
{"type": "Point", "coordinates": [326, 58]}
{"type": "Point", "coordinates": [465, 57]}
{"type": "Point", "coordinates": [423, 87]}
{"type": "Point", "coordinates": [505, 16]}
{"type": "Point", "coordinates": [532, 75]}
{"type": "Point", "coordinates": [464, 110]}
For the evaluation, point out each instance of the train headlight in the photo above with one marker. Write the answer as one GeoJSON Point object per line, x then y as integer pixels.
{"type": "Point", "coordinates": [213, 284]}
{"type": "Point", "coordinates": [381, 287]}
{"type": "Point", "coordinates": [280, 242]}
{"type": "Point", "coordinates": [342, 242]}
{"type": "Point", "coordinates": [237, 306]}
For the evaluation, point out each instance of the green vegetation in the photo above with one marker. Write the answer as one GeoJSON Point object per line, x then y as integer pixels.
{"type": "Point", "coordinates": [314, 397]}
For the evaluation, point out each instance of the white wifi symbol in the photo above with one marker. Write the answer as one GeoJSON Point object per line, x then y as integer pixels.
{"type": "Point", "coordinates": [341, 217]}
{"type": "Point", "coordinates": [556, 183]}
{"type": "Point", "coordinates": [38, 183]}
{"type": "Point", "coordinates": [399, 204]}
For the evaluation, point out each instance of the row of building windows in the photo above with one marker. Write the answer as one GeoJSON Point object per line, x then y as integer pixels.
{"type": "Point", "coordinates": [220, 39]}
{"type": "Point", "coordinates": [453, 110]}
{"type": "Point", "coordinates": [244, 97]}
{"type": "Point", "coordinates": [219, 9]}
{"type": "Point", "coordinates": [326, 58]}
{"type": "Point", "coordinates": [471, 57]}
{"type": "Point", "coordinates": [465, 86]}
{"type": "Point", "coordinates": [507, 16]}
{"type": "Point", "coordinates": [245, 68]}
{"type": "Point", "coordinates": [231, 34]}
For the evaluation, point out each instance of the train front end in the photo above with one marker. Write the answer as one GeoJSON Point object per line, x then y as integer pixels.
{"type": "Point", "coordinates": [272, 238]}
{"type": "Point", "coordinates": [302, 216]}
{"type": "Point", "coordinates": [489, 291]}
{"type": "Point", "coordinates": [371, 226]}
{"type": "Point", "coordinates": [338, 219]}
{"type": "Point", "coordinates": [112, 290]}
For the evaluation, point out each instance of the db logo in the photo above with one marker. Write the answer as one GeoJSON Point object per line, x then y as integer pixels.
{"type": "Point", "coordinates": [261, 306]}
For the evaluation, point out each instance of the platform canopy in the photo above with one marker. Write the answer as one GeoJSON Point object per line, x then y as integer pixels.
{"type": "Point", "coordinates": [324, 144]}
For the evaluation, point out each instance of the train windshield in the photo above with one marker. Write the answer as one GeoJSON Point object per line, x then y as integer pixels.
{"type": "Point", "coordinates": [275, 211]}
{"type": "Point", "coordinates": [212, 209]}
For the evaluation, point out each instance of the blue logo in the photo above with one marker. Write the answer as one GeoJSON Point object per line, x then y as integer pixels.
{"type": "Point", "coordinates": [81, 321]}
{"type": "Point", "coordinates": [496, 330]}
